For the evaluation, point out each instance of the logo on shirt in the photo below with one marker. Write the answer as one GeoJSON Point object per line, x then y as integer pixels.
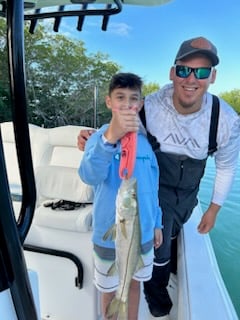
{"type": "Point", "coordinates": [177, 140]}
{"type": "Point", "coordinates": [143, 158]}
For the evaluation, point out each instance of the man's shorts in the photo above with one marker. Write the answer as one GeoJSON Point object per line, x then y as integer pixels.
{"type": "Point", "coordinates": [106, 283]}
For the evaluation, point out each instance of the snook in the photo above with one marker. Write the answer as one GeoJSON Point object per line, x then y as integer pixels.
{"type": "Point", "coordinates": [127, 242]}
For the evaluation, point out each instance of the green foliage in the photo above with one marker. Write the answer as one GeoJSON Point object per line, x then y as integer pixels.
{"type": "Point", "coordinates": [150, 88]}
{"type": "Point", "coordinates": [62, 80]}
{"type": "Point", "coordinates": [5, 105]}
{"type": "Point", "coordinates": [233, 98]}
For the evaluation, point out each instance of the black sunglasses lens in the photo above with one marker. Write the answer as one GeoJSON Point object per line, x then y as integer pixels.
{"type": "Point", "coordinates": [200, 73]}
{"type": "Point", "coordinates": [183, 71]}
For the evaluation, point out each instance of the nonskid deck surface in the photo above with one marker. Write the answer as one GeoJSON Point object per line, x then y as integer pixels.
{"type": "Point", "coordinates": [144, 313]}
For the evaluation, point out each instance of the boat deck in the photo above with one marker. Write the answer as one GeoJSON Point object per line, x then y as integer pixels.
{"type": "Point", "coordinates": [56, 159]}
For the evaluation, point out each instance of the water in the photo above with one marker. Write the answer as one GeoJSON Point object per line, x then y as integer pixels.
{"type": "Point", "coordinates": [226, 234]}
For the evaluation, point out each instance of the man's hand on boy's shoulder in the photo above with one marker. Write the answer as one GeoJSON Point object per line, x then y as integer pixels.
{"type": "Point", "coordinates": [83, 137]}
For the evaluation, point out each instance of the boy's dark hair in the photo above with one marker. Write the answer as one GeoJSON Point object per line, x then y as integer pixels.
{"type": "Point", "coordinates": [125, 80]}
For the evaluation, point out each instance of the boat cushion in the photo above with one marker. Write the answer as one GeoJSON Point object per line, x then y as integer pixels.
{"type": "Point", "coordinates": [78, 220]}
{"type": "Point", "coordinates": [57, 182]}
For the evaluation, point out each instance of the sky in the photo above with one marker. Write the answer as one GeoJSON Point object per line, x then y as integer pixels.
{"type": "Point", "coordinates": [145, 39]}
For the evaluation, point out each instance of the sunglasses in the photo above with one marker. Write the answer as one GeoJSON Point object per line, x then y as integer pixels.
{"type": "Point", "coordinates": [199, 73]}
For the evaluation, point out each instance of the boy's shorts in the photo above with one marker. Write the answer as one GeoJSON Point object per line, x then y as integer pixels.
{"type": "Point", "coordinates": [105, 283]}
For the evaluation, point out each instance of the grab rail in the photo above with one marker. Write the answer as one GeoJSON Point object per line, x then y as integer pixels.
{"type": "Point", "coordinates": [62, 254]}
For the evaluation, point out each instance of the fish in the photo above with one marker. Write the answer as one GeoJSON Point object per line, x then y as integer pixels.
{"type": "Point", "coordinates": [128, 245]}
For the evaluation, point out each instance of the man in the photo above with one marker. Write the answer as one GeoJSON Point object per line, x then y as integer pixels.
{"type": "Point", "coordinates": [179, 117]}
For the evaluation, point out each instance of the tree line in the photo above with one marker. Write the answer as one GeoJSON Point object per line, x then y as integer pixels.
{"type": "Point", "coordinates": [65, 84]}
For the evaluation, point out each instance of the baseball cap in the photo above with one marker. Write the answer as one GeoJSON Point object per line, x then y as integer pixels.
{"type": "Point", "coordinates": [198, 45]}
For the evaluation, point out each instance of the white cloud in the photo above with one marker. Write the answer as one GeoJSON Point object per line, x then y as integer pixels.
{"type": "Point", "coordinates": [121, 29]}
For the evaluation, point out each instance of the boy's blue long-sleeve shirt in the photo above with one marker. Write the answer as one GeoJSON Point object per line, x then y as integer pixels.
{"type": "Point", "coordinates": [100, 168]}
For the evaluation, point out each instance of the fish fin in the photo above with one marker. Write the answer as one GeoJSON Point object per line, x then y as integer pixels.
{"type": "Point", "coordinates": [112, 270]}
{"type": "Point", "coordinates": [116, 306]}
{"type": "Point", "coordinates": [111, 233]}
{"type": "Point", "coordinates": [123, 228]}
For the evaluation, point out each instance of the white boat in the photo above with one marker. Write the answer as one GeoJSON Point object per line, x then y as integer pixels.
{"type": "Point", "coordinates": [58, 248]}
{"type": "Point", "coordinates": [46, 263]}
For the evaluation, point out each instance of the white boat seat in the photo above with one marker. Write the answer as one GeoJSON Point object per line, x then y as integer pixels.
{"type": "Point", "coordinates": [11, 154]}
{"type": "Point", "coordinates": [58, 182]}
{"type": "Point", "coordinates": [78, 220]}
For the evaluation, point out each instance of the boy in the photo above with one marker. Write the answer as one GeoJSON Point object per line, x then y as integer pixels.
{"type": "Point", "coordinates": [100, 168]}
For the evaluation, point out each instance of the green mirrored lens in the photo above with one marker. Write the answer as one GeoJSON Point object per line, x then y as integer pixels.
{"type": "Point", "coordinates": [202, 73]}
{"type": "Point", "coordinates": [199, 73]}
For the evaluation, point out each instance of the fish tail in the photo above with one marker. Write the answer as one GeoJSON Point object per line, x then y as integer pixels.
{"type": "Point", "coordinates": [116, 306]}
{"type": "Point", "coordinates": [123, 311]}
